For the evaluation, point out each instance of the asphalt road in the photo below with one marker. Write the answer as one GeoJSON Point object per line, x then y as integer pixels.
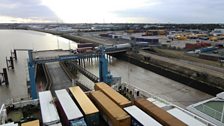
{"type": "Point", "coordinates": [212, 70]}
{"type": "Point", "coordinates": [59, 77]}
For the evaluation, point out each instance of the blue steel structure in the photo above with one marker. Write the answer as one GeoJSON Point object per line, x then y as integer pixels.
{"type": "Point", "coordinates": [104, 74]}
{"type": "Point", "coordinates": [31, 68]}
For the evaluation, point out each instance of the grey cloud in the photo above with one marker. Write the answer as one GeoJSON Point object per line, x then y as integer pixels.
{"type": "Point", "coordinates": [28, 9]}
{"type": "Point", "coordinates": [180, 11]}
{"type": "Point", "coordinates": [174, 11]}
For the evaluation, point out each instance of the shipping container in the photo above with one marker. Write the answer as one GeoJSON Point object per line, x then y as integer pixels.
{"type": "Point", "coordinates": [31, 123]}
{"type": "Point", "coordinates": [69, 111]}
{"type": "Point", "coordinates": [123, 46]}
{"type": "Point", "coordinates": [157, 113]}
{"type": "Point", "coordinates": [89, 110]}
{"type": "Point", "coordinates": [208, 49]}
{"type": "Point", "coordinates": [151, 41]}
{"type": "Point", "coordinates": [220, 45]}
{"type": "Point", "coordinates": [83, 45]}
{"type": "Point", "coordinates": [155, 32]}
{"type": "Point", "coordinates": [112, 94]}
{"type": "Point", "coordinates": [191, 46]}
{"type": "Point", "coordinates": [109, 110]}
{"type": "Point", "coordinates": [104, 35]}
{"type": "Point", "coordinates": [49, 112]}
{"type": "Point", "coordinates": [84, 49]}
{"type": "Point", "coordinates": [140, 118]}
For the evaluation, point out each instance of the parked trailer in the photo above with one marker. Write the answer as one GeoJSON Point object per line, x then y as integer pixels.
{"type": "Point", "coordinates": [157, 113]}
{"type": "Point", "coordinates": [69, 111]}
{"type": "Point", "coordinates": [89, 110]}
{"type": "Point", "coordinates": [109, 110]}
{"type": "Point", "coordinates": [48, 110]}
{"type": "Point", "coordinates": [31, 123]}
{"type": "Point", "coordinates": [140, 118]}
{"type": "Point", "coordinates": [112, 94]}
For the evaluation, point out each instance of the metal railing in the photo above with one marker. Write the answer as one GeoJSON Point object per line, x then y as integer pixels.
{"type": "Point", "coordinates": [88, 74]}
{"type": "Point", "coordinates": [212, 112]}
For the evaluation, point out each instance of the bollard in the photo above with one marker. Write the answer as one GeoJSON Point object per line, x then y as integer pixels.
{"type": "Point", "coordinates": [5, 76]}
{"type": "Point", "coordinates": [12, 62]}
{"type": "Point", "coordinates": [15, 55]}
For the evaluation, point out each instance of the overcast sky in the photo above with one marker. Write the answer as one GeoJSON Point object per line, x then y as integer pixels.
{"type": "Point", "coordinates": [112, 11]}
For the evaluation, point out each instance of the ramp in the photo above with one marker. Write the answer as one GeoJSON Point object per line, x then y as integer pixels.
{"type": "Point", "coordinates": [59, 78]}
